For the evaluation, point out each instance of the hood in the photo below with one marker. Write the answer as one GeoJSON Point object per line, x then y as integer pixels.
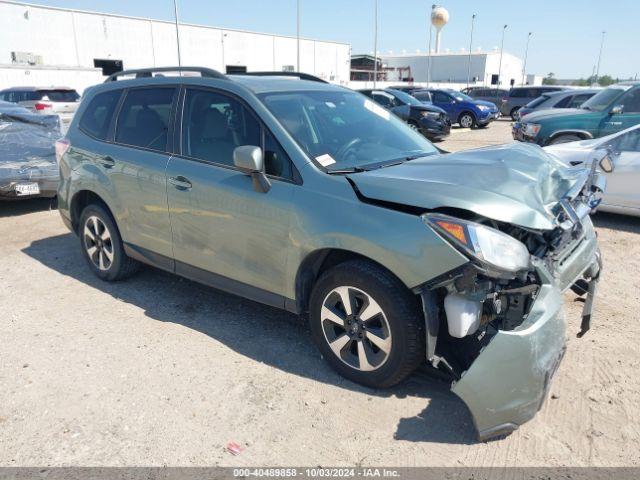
{"type": "Point", "coordinates": [486, 104]}
{"type": "Point", "coordinates": [516, 183]}
{"type": "Point", "coordinates": [555, 112]}
{"type": "Point", "coordinates": [427, 107]}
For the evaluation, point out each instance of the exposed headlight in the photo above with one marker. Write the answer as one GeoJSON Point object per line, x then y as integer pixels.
{"type": "Point", "coordinates": [433, 115]}
{"type": "Point", "coordinates": [490, 247]}
{"type": "Point", "coordinates": [530, 129]}
{"type": "Point", "coordinates": [484, 108]}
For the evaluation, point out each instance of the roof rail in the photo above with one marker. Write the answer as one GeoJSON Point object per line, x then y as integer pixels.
{"type": "Point", "coordinates": [300, 75]}
{"type": "Point", "coordinates": [148, 72]}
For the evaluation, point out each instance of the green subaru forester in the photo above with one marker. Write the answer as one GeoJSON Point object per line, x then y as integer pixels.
{"type": "Point", "coordinates": [312, 198]}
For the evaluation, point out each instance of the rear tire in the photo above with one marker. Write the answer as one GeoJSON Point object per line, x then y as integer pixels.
{"type": "Point", "coordinates": [102, 246]}
{"type": "Point", "coordinates": [514, 113]}
{"type": "Point", "coordinates": [378, 340]}
{"type": "Point", "coordinates": [564, 139]}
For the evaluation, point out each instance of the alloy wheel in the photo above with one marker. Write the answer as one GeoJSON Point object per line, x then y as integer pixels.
{"type": "Point", "coordinates": [355, 328]}
{"type": "Point", "coordinates": [98, 243]}
{"type": "Point", "coordinates": [466, 121]}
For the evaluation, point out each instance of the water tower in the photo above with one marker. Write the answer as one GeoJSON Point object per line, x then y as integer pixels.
{"type": "Point", "coordinates": [439, 18]}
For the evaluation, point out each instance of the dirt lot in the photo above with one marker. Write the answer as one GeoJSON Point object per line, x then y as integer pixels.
{"type": "Point", "coordinates": [162, 371]}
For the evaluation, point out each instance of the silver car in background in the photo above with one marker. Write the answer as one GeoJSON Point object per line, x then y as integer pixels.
{"type": "Point", "coordinates": [622, 166]}
{"type": "Point", "coordinates": [561, 99]}
{"type": "Point", "coordinates": [61, 101]}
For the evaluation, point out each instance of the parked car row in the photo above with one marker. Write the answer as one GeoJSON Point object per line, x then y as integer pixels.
{"type": "Point", "coordinates": [61, 101]}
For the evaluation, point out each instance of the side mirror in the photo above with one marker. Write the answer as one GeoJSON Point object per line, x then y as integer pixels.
{"type": "Point", "coordinates": [249, 160]}
{"type": "Point", "coordinates": [606, 164]}
{"type": "Point", "coordinates": [617, 110]}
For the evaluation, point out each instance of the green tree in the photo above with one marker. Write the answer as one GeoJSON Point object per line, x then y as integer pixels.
{"type": "Point", "coordinates": [550, 79]}
{"type": "Point", "coordinates": [606, 80]}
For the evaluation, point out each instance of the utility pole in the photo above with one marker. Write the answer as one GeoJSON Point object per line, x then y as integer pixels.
{"type": "Point", "coordinates": [175, 9]}
{"type": "Point", "coordinates": [599, 58]}
{"type": "Point", "coordinates": [429, 50]}
{"type": "Point", "coordinates": [526, 52]}
{"type": "Point", "coordinates": [473, 19]}
{"type": "Point", "coordinates": [298, 35]}
{"type": "Point", "coordinates": [501, 50]}
{"type": "Point", "coordinates": [375, 44]}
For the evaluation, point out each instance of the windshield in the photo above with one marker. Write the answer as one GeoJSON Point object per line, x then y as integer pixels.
{"type": "Point", "coordinates": [603, 99]}
{"type": "Point", "coordinates": [461, 97]}
{"type": "Point", "coordinates": [60, 95]}
{"type": "Point", "coordinates": [345, 130]}
{"type": "Point", "coordinates": [406, 98]}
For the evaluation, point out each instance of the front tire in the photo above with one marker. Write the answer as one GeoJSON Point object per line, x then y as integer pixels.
{"type": "Point", "coordinates": [467, 120]}
{"type": "Point", "coordinates": [367, 324]}
{"type": "Point", "coordinates": [514, 113]}
{"type": "Point", "coordinates": [102, 246]}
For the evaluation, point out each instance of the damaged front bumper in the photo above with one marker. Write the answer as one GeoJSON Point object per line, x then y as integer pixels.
{"type": "Point", "coordinates": [507, 383]}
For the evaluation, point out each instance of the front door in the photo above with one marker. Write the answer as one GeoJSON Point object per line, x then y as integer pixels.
{"type": "Point", "coordinates": [630, 116]}
{"type": "Point", "coordinates": [224, 231]}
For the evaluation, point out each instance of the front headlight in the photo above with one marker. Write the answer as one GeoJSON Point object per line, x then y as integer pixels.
{"type": "Point", "coordinates": [484, 108]}
{"type": "Point", "coordinates": [489, 246]}
{"type": "Point", "coordinates": [432, 115]}
{"type": "Point", "coordinates": [531, 129]}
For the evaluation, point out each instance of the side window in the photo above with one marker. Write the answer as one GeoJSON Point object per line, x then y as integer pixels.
{"type": "Point", "coordinates": [276, 161]}
{"type": "Point", "coordinates": [383, 100]}
{"type": "Point", "coordinates": [144, 118]}
{"type": "Point", "coordinates": [629, 142]}
{"type": "Point", "coordinates": [578, 100]}
{"type": "Point", "coordinates": [423, 96]}
{"type": "Point", "coordinates": [565, 102]}
{"type": "Point", "coordinates": [631, 101]}
{"type": "Point", "coordinates": [213, 125]}
{"type": "Point", "coordinates": [439, 97]}
{"type": "Point", "coordinates": [97, 117]}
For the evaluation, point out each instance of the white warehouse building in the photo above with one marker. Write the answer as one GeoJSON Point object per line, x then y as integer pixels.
{"type": "Point", "coordinates": [454, 67]}
{"type": "Point", "coordinates": [44, 46]}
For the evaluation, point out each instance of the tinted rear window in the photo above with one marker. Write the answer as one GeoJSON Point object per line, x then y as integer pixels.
{"type": "Point", "coordinates": [144, 118]}
{"type": "Point", "coordinates": [97, 117]}
{"type": "Point", "coordinates": [59, 95]}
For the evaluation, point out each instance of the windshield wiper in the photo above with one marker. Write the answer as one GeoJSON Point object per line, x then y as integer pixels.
{"type": "Point", "coordinates": [342, 171]}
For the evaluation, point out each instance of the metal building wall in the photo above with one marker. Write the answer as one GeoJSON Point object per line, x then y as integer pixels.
{"type": "Point", "coordinates": [72, 38]}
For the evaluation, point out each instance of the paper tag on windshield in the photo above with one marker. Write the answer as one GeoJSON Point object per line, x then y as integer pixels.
{"type": "Point", "coordinates": [325, 160]}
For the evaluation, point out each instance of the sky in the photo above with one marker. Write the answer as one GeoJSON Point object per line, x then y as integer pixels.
{"type": "Point", "coordinates": [566, 33]}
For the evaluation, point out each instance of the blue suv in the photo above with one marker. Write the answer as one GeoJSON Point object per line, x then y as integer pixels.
{"type": "Point", "coordinates": [461, 108]}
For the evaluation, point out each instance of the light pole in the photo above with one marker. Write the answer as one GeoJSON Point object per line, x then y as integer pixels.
{"type": "Point", "coordinates": [473, 19]}
{"type": "Point", "coordinates": [599, 57]}
{"type": "Point", "coordinates": [524, 65]}
{"type": "Point", "coordinates": [375, 44]}
{"type": "Point", "coordinates": [501, 50]}
{"type": "Point", "coordinates": [429, 50]}
{"type": "Point", "coordinates": [175, 10]}
{"type": "Point", "coordinates": [298, 35]}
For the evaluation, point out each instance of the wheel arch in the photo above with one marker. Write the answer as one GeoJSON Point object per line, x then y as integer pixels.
{"type": "Point", "coordinates": [583, 134]}
{"type": "Point", "coordinates": [470, 112]}
{"type": "Point", "coordinates": [80, 200]}
{"type": "Point", "coordinates": [318, 262]}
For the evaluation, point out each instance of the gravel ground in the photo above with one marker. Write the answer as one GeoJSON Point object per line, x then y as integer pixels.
{"type": "Point", "coordinates": [162, 371]}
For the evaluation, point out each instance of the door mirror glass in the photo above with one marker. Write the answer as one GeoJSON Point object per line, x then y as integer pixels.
{"type": "Point", "coordinates": [617, 110]}
{"type": "Point", "coordinates": [248, 159]}
{"type": "Point", "coordinates": [606, 164]}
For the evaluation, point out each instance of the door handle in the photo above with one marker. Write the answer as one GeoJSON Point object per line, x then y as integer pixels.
{"type": "Point", "coordinates": [107, 162]}
{"type": "Point", "coordinates": [180, 182]}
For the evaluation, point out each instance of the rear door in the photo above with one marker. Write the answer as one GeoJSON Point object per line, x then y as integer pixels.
{"type": "Point", "coordinates": [225, 232]}
{"type": "Point", "coordinates": [623, 183]}
{"type": "Point", "coordinates": [136, 167]}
